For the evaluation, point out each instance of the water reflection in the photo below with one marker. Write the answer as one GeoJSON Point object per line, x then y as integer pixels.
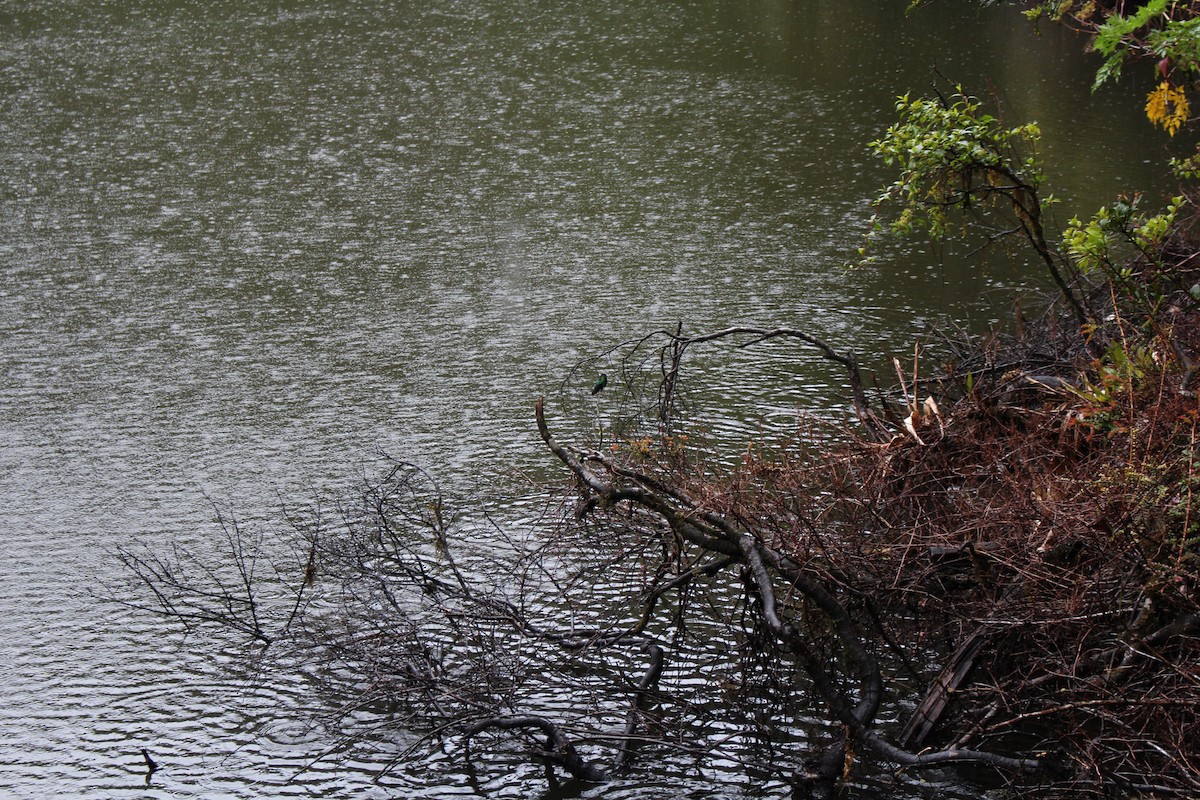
{"type": "Point", "coordinates": [245, 244]}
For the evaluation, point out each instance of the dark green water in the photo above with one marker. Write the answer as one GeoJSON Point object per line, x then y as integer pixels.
{"type": "Point", "coordinates": [244, 245]}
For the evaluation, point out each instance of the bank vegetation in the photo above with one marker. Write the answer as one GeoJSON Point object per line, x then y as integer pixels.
{"type": "Point", "coordinates": [993, 568]}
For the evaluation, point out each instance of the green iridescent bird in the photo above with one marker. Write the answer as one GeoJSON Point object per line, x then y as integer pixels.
{"type": "Point", "coordinates": [600, 383]}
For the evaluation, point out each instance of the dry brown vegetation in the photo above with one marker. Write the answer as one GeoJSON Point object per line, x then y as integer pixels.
{"type": "Point", "coordinates": [1024, 549]}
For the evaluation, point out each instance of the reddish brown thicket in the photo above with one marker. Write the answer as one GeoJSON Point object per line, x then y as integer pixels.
{"type": "Point", "coordinates": [1034, 538]}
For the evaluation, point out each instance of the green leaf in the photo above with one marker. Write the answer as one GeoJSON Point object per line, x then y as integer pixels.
{"type": "Point", "coordinates": [1112, 38]}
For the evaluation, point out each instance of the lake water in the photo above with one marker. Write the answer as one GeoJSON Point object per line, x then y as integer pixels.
{"type": "Point", "coordinates": [247, 246]}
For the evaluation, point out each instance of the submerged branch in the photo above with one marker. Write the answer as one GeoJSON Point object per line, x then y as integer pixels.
{"type": "Point", "coordinates": [558, 748]}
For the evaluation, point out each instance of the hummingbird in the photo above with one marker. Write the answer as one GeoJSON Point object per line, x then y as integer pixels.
{"type": "Point", "coordinates": [600, 383]}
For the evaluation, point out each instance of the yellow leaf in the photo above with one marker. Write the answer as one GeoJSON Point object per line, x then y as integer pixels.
{"type": "Point", "coordinates": [1168, 106]}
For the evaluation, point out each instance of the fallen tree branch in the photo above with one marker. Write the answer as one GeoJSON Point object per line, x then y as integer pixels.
{"type": "Point", "coordinates": [709, 530]}
{"type": "Point", "coordinates": [558, 748]}
{"type": "Point", "coordinates": [875, 427]}
{"type": "Point", "coordinates": [639, 706]}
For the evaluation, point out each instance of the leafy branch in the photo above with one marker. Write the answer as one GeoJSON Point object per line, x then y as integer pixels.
{"type": "Point", "coordinates": [955, 161]}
